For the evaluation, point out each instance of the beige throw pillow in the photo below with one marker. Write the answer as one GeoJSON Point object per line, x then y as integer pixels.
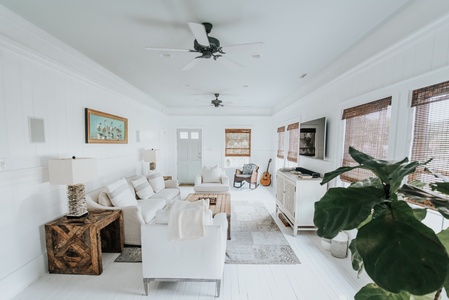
{"type": "Point", "coordinates": [211, 174]}
{"type": "Point", "coordinates": [120, 194]}
{"type": "Point", "coordinates": [142, 187]}
{"type": "Point", "coordinates": [157, 182]}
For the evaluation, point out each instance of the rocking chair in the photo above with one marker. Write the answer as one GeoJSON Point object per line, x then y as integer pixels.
{"type": "Point", "coordinates": [249, 173]}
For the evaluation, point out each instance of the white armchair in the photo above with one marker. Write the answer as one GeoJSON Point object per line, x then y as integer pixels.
{"type": "Point", "coordinates": [184, 260]}
{"type": "Point", "coordinates": [212, 180]}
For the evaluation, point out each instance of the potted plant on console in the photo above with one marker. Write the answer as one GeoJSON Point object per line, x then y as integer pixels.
{"type": "Point", "coordinates": [402, 256]}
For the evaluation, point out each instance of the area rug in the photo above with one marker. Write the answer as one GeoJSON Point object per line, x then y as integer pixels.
{"type": "Point", "coordinates": [255, 238]}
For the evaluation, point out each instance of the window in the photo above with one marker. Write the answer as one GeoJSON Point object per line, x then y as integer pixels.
{"type": "Point", "coordinates": [431, 130]}
{"type": "Point", "coordinates": [293, 142]}
{"type": "Point", "coordinates": [281, 139]}
{"type": "Point", "coordinates": [238, 147]}
{"type": "Point", "coordinates": [366, 129]}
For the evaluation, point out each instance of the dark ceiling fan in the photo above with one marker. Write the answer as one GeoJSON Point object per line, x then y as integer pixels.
{"type": "Point", "coordinates": [207, 46]}
{"type": "Point", "coordinates": [216, 102]}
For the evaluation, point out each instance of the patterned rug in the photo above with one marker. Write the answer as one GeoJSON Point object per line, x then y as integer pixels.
{"type": "Point", "coordinates": [255, 239]}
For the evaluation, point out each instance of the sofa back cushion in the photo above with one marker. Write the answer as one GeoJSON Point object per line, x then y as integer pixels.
{"type": "Point", "coordinates": [120, 194]}
{"type": "Point", "coordinates": [142, 187]}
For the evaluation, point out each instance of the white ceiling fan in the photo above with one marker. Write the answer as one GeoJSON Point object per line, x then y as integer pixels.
{"type": "Point", "coordinates": [208, 47]}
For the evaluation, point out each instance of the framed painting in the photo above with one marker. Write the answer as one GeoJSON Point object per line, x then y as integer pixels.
{"type": "Point", "coordinates": [103, 128]}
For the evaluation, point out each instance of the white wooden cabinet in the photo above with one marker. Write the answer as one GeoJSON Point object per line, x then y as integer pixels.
{"type": "Point", "coordinates": [295, 199]}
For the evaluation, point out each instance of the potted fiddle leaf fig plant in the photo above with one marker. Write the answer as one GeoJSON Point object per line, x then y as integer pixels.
{"type": "Point", "coordinates": [404, 257]}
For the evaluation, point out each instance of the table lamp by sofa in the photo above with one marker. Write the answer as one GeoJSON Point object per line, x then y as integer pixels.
{"type": "Point", "coordinates": [151, 157]}
{"type": "Point", "coordinates": [73, 172]}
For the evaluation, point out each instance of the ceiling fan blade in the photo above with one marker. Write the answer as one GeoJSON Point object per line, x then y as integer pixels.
{"type": "Point", "coordinates": [191, 64]}
{"type": "Point", "coordinates": [167, 49]}
{"type": "Point", "coordinates": [247, 46]}
{"type": "Point", "coordinates": [200, 34]}
{"type": "Point", "coordinates": [229, 63]}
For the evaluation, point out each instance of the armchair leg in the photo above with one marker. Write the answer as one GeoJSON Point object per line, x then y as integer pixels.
{"type": "Point", "coordinates": [218, 285]}
{"type": "Point", "coordinates": [145, 285]}
{"type": "Point", "coordinates": [240, 182]}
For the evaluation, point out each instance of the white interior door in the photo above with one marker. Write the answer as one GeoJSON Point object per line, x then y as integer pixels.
{"type": "Point", "coordinates": [189, 154]}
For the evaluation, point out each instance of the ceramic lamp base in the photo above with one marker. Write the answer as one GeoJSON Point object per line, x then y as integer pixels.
{"type": "Point", "coordinates": [77, 201]}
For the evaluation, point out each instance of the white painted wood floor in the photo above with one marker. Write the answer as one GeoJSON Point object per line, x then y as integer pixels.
{"type": "Point", "coordinates": [319, 276]}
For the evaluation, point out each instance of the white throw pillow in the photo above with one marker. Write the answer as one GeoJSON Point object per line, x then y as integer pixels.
{"type": "Point", "coordinates": [142, 187]}
{"type": "Point", "coordinates": [120, 194]}
{"type": "Point", "coordinates": [212, 174]}
{"type": "Point", "coordinates": [157, 182]}
{"type": "Point", "coordinates": [104, 200]}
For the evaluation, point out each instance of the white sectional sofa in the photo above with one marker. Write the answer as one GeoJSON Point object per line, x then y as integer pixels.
{"type": "Point", "coordinates": [136, 212]}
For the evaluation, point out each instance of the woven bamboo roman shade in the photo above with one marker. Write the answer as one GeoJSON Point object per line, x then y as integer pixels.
{"type": "Point", "coordinates": [293, 142]}
{"type": "Point", "coordinates": [431, 130]}
{"type": "Point", "coordinates": [281, 138]}
{"type": "Point", "coordinates": [238, 142]}
{"type": "Point", "coordinates": [366, 129]}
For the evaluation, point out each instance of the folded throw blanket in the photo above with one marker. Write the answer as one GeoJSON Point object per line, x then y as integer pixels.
{"type": "Point", "coordinates": [188, 220]}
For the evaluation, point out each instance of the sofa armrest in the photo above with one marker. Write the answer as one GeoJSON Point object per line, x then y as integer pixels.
{"type": "Point", "coordinates": [225, 179]}
{"type": "Point", "coordinates": [198, 180]}
{"type": "Point", "coordinates": [171, 183]}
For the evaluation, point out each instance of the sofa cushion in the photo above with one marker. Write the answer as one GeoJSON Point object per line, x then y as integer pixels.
{"type": "Point", "coordinates": [167, 194]}
{"type": "Point", "coordinates": [157, 181]}
{"type": "Point", "coordinates": [142, 187]}
{"type": "Point", "coordinates": [120, 194]}
{"type": "Point", "coordinates": [211, 188]}
{"type": "Point", "coordinates": [104, 199]}
{"type": "Point", "coordinates": [211, 174]}
{"type": "Point", "coordinates": [149, 207]}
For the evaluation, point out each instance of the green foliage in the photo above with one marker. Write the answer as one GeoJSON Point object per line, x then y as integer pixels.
{"type": "Point", "coordinates": [401, 255]}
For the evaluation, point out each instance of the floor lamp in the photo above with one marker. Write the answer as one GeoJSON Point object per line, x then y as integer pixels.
{"type": "Point", "coordinates": [73, 172]}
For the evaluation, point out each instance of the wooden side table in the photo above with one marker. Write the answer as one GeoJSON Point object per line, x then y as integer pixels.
{"type": "Point", "coordinates": [74, 246]}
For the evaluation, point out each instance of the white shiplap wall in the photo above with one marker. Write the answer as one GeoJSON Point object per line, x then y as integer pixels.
{"type": "Point", "coordinates": [33, 84]}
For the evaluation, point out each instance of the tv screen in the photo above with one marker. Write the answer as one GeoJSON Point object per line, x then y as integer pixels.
{"type": "Point", "coordinates": [312, 138]}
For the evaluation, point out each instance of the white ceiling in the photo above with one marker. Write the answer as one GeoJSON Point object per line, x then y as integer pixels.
{"type": "Point", "coordinates": [299, 36]}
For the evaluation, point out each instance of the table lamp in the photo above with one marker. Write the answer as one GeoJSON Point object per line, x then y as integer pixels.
{"type": "Point", "coordinates": [73, 172]}
{"type": "Point", "coordinates": [151, 157]}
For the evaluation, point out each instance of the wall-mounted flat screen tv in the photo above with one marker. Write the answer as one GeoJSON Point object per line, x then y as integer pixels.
{"type": "Point", "coordinates": [312, 138]}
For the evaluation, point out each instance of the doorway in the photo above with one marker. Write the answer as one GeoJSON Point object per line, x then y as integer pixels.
{"type": "Point", "coordinates": [189, 154]}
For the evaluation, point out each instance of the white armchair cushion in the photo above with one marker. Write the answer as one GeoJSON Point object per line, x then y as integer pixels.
{"type": "Point", "coordinates": [142, 187]}
{"type": "Point", "coordinates": [120, 194]}
{"type": "Point", "coordinates": [157, 181]}
{"type": "Point", "coordinates": [211, 174]}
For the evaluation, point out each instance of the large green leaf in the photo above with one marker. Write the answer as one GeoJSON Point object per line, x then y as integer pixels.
{"type": "Point", "coordinates": [373, 292]}
{"type": "Point", "coordinates": [402, 254]}
{"type": "Point", "coordinates": [356, 259]}
{"type": "Point", "coordinates": [417, 194]}
{"type": "Point", "coordinates": [444, 238]}
{"type": "Point", "coordinates": [442, 187]}
{"type": "Point", "coordinates": [344, 209]}
{"type": "Point", "coordinates": [331, 175]}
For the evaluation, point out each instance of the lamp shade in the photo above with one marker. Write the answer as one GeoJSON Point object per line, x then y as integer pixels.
{"type": "Point", "coordinates": [71, 171]}
{"type": "Point", "coordinates": [150, 155]}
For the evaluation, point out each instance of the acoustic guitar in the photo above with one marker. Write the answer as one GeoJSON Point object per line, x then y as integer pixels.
{"type": "Point", "coordinates": [266, 176]}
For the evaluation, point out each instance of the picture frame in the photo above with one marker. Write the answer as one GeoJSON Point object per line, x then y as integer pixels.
{"type": "Point", "coordinates": [104, 128]}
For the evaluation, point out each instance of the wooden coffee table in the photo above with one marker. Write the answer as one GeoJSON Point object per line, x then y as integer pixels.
{"type": "Point", "coordinates": [222, 205]}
